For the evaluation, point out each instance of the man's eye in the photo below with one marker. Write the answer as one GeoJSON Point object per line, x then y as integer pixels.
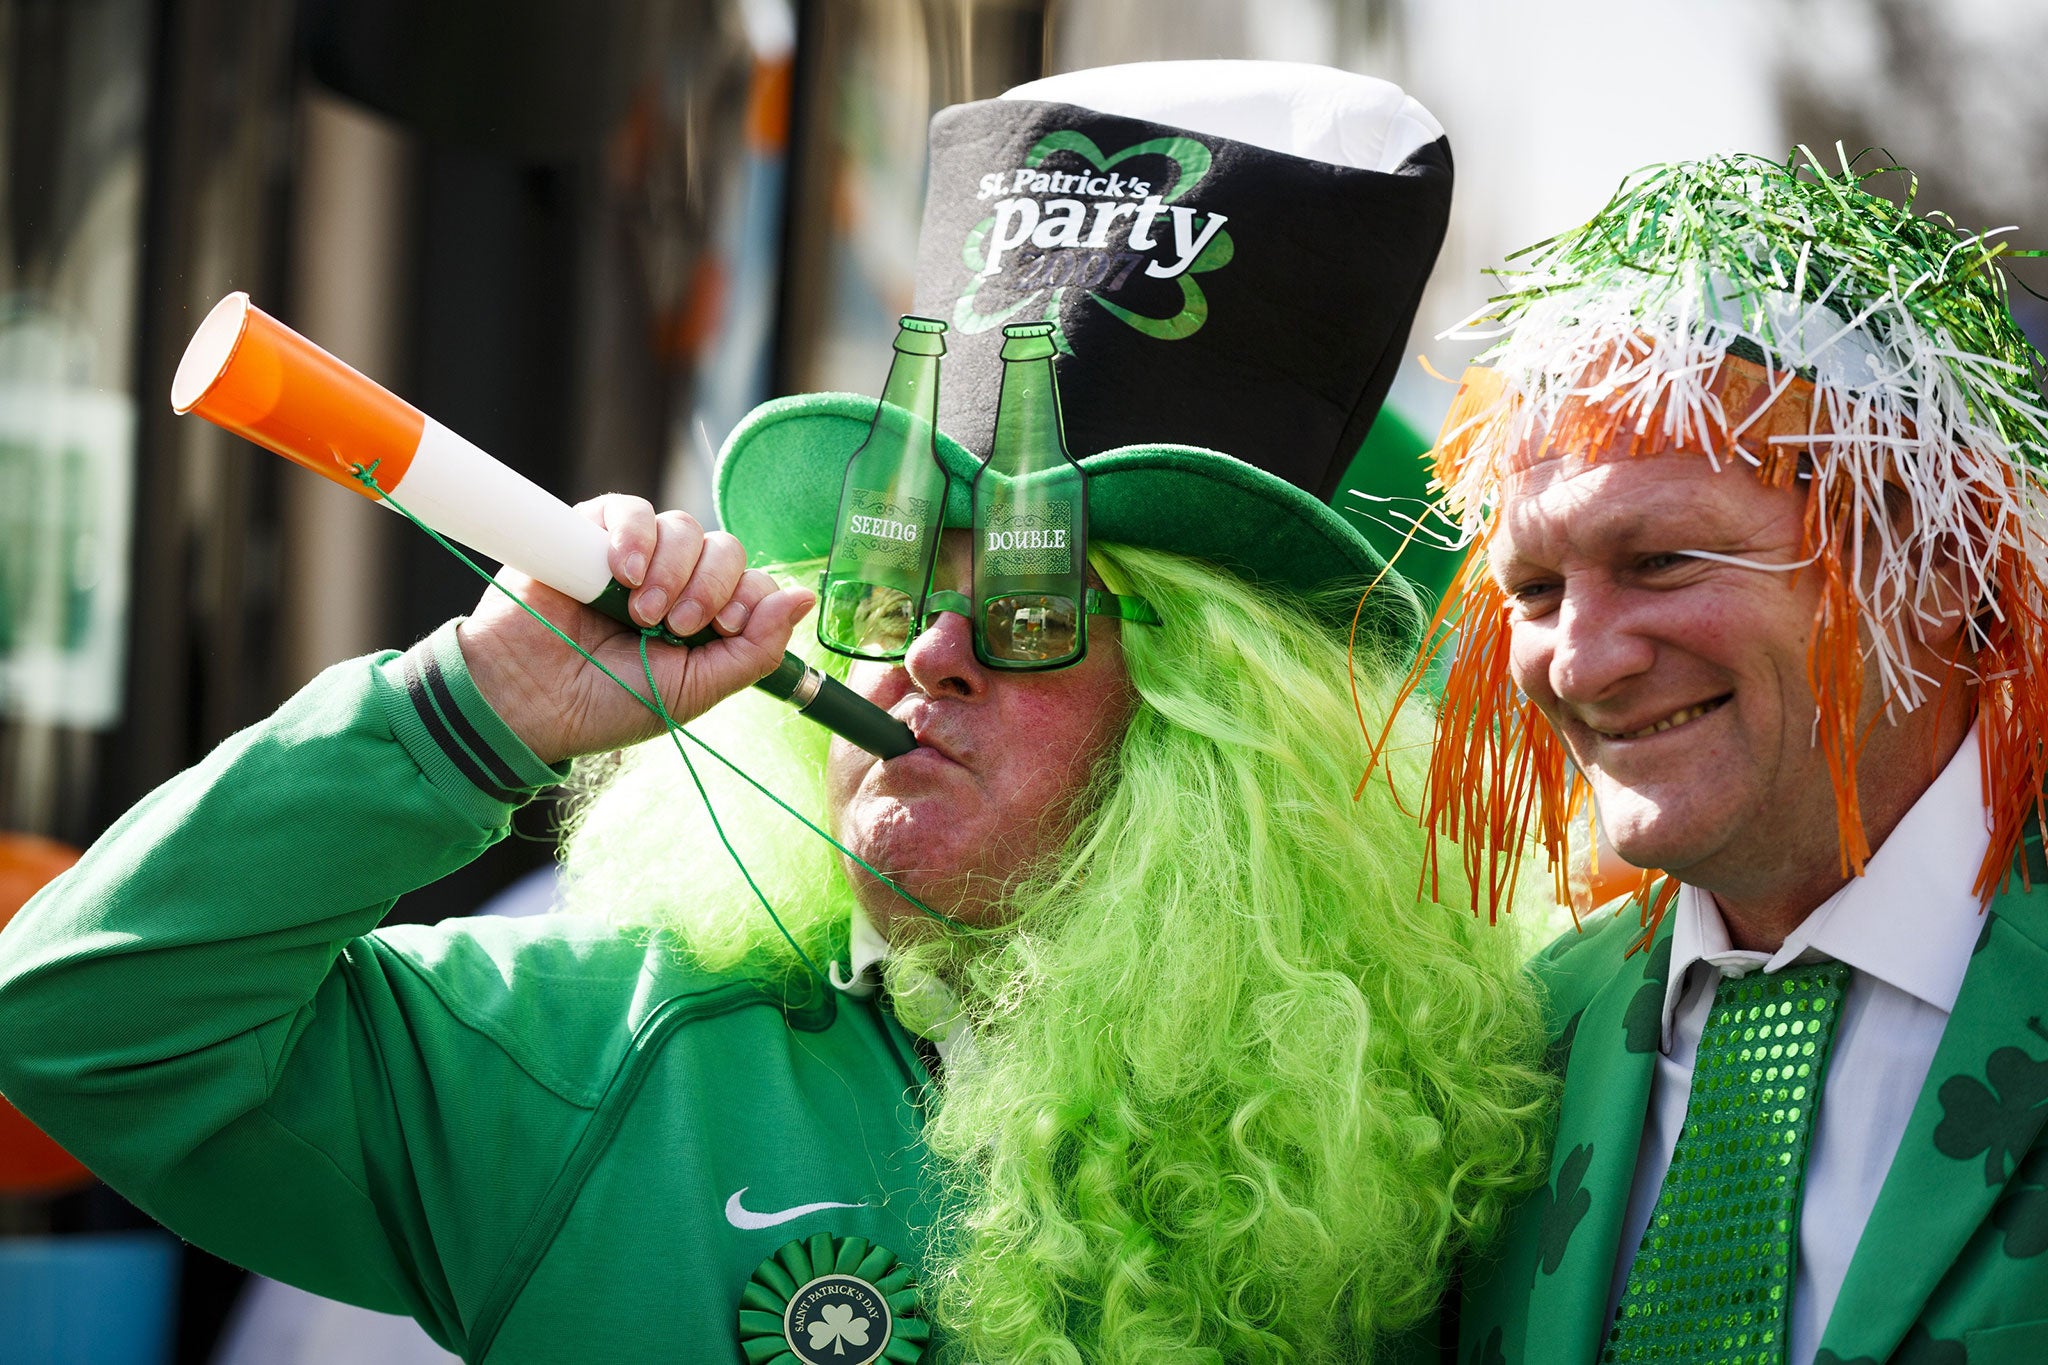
{"type": "Point", "coordinates": [1657, 563]}
{"type": "Point", "coordinates": [1531, 597]}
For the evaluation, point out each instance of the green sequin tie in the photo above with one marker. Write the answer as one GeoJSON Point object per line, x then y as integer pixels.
{"type": "Point", "coordinates": [1712, 1281]}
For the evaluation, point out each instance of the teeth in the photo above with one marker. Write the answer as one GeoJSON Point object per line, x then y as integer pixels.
{"type": "Point", "coordinates": [1676, 718]}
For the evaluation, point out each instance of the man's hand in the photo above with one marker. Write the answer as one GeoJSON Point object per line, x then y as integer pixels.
{"type": "Point", "coordinates": [681, 576]}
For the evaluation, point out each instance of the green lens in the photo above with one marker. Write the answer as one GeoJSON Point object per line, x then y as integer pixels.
{"type": "Point", "coordinates": [1030, 628]}
{"type": "Point", "coordinates": [1030, 505]}
{"type": "Point", "coordinates": [892, 502]}
{"type": "Point", "coordinates": [866, 620]}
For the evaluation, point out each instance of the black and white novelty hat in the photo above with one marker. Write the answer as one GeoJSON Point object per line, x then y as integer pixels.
{"type": "Point", "coordinates": [1233, 253]}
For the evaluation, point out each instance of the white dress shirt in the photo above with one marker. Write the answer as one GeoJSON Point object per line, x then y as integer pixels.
{"type": "Point", "coordinates": [1906, 928]}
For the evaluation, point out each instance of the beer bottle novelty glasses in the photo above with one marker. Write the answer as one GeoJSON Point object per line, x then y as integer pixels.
{"type": "Point", "coordinates": [891, 506]}
{"type": "Point", "coordinates": [1030, 520]}
{"type": "Point", "coordinates": [1030, 600]}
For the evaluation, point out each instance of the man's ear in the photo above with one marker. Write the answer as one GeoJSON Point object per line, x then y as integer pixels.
{"type": "Point", "coordinates": [1942, 606]}
{"type": "Point", "coordinates": [1940, 603]}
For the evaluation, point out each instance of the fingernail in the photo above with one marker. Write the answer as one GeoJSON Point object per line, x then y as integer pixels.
{"type": "Point", "coordinates": [734, 616]}
{"type": "Point", "coordinates": [689, 619]}
{"type": "Point", "coordinates": [636, 569]}
{"type": "Point", "coordinates": [647, 605]}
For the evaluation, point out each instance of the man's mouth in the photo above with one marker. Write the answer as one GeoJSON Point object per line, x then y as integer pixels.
{"type": "Point", "coordinates": [926, 730]}
{"type": "Point", "coordinates": [1670, 722]}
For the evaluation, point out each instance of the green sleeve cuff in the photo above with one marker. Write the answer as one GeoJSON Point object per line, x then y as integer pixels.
{"type": "Point", "coordinates": [459, 742]}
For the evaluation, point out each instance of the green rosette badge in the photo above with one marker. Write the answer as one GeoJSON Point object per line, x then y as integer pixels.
{"type": "Point", "coordinates": [829, 1300]}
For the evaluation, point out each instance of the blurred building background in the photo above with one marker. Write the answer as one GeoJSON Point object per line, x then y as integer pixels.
{"type": "Point", "coordinates": [590, 236]}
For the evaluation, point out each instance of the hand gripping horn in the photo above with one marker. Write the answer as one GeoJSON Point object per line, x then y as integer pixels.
{"type": "Point", "coordinates": [249, 373]}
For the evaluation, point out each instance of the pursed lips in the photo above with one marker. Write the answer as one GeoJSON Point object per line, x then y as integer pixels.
{"type": "Point", "coordinates": [926, 729]}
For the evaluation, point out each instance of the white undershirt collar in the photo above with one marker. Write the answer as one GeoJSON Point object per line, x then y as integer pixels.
{"type": "Point", "coordinates": [866, 951]}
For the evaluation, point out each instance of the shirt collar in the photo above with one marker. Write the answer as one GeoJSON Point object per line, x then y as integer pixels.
{"type": "Point", "coordinates": [1910, 921]}
{"type": "Point", "coordinates": [866, 951]}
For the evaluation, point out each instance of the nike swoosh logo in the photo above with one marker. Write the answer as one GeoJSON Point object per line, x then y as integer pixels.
{"type": "Point", "coordinates": [747, 1220]}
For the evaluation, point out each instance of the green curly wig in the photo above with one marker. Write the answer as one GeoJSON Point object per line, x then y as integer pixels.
{"type": "Point", "coordinates": [1236, 1095]}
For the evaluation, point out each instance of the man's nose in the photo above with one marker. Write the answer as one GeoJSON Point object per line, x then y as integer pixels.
{"type": "Point", "coordinates": [1595, 645]}
{"type": "Point", "coordinates": [941, 659]}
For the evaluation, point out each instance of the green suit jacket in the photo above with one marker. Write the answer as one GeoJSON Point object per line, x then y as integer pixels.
{"type": "Point", "coordinates": [1952, 1268]}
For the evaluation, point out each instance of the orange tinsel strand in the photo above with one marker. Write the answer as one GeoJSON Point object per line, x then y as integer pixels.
{"type": "Point", "coordinates": [1653, 901]}
{"type": "Point", "coordinates": [1834, 668]}
{"type": "Point", "coordinates": [2012, 720]}
{"type": "Point", "coordinates": [1495, 766]}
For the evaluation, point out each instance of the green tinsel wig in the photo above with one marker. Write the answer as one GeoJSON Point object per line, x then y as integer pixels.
{"type": "Point", "coordinates": [1237, 1096]}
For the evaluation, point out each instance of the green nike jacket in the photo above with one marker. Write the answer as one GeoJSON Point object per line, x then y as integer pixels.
{"type": "Point", "coordinates": [545, 1139]}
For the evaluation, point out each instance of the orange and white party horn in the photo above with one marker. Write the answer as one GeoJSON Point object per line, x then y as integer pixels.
{"type": "Point", "coordinates": [246, 371]}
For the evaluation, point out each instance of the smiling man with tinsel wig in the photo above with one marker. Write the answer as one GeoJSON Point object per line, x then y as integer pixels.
{"type": "Point", "coordinates": [1754, 476]}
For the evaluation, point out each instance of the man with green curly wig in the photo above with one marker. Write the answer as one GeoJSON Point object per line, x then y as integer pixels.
{"type": "Point", "coordinates": [1754, 476]}
{"type": "Point", "coordinates": [1131, 1041]}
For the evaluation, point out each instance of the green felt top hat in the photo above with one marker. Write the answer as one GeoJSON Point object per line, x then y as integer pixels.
{"type": "Point", "coordinates": [1232, 253]}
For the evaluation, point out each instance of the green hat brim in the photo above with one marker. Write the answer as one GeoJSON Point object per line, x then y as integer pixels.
{"type": "Point", "coordinates": [780, 472]}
